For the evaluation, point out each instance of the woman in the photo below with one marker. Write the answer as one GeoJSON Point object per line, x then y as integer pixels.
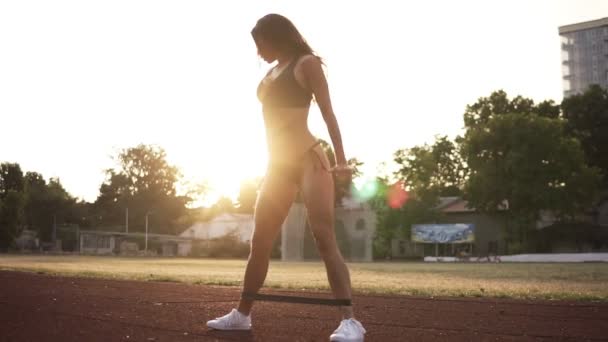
{"type": "Point", "coordinates": [296, 162]}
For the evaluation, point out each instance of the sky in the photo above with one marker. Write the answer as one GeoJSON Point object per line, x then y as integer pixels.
{"type": "Point", "coordinates": [82, 80]}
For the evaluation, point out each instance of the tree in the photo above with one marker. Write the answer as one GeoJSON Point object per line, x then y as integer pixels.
{"type": "Point", "coordinates": [11, 203]}
{"type": "Point", "coordinates": [29, 202]}
{"type": "Point", "coordinates": [145, 183]}
{"type": "Point", "coordinates": [528, 161]}
{"type": "Point", "coordinates": [498, 103]}
{"type": "Point", "coordinates": [147, 171]}
{"type": "Point", "coordinates": [46, 204]}
{"type": "Point", "coordinates": [432, 171]}
{"type": "Point", "coordinates": [196, 191]}
{"type": "Point", "coordinates": [355, 165]}
{"type": "Point", "coordinates": [11, 217]}
{"type": "Point", "coordinates": [59, 203]}
{"type": "Point", "coordinates": [11, 178]}
{"type": "Point", "coordinates": [396, 221]}
{"type": "Point", "coordinates": [388, 223]}
{"type": "Point", "coordinates": [587, 120]}
{"type": "Point", "coordinates": [248, 194]}
{"type": "Point", "coordinates": [114, 197]}
{"type": "Point", "coordinates": [424, 174]}
{"type": "Point", "coordinates": [223, 205]}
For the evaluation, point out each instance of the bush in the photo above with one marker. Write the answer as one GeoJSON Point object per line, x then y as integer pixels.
{"type": "Point", "coordinates": [227, 246]}
{"type": "Point", "coordinates": [515, 247]}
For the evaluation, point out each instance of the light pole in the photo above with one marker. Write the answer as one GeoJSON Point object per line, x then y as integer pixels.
{"type": "Point", "coordinates": [146, 239]}
{"type": "Point", "coordinates": [146, 248]}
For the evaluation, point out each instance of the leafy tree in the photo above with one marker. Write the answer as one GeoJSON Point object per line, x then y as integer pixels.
{"type": "Point", "coordinates": [587, 120]}
{"type": "Point", "coordinates": [248, 194]}
{"type": "Point", "coordinates": [223, 205]}
{"type": "Point", "coordinates": [46, 204]}
{"type": "Point", "coordinates": [11, 203]}
{"type": "Point", "coordinates": [145, 183]}
{"type": "Point", "coordinates": [498, 103]}
{"type": "Point", "coordinates": [114, 197]}
{"type": "Point", "coordinates": [432, 171]}
{"type": "Point", "coordinates": [11, 178]}
{"type": "Point", "coordinates": [396, 221]}
{"type": "Point", "coordinates": [528, 161]}
{"type": "Point", "coordinates": [388, 220]}
{"type": "Point", "coordinates": [355, 164]}
{"type": "Point", "coordinates": [147, 171]}
{"type": "Point", "coordinates": [426, 172]}
{"type": "Point", "coordinates": [196, 191]}
{"type": "Point", "coordinates": [11, 217]}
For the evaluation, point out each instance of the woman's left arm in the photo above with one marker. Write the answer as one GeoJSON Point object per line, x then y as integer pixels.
{"type": "Point", "coordinates": [317, 83]}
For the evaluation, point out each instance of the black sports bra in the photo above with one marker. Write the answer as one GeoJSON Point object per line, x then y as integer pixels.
{"type": "Point", "coordinates": [284, 91]}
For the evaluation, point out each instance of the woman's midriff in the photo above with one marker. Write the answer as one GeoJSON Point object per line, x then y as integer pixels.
{"type": "Point", "coordinates": [287, 134]}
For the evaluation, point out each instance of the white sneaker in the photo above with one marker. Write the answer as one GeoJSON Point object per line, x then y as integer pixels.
{"type": "Point", "coordinates": [232, 321]}
{"type": "Point", "coordinates": [350, 330]}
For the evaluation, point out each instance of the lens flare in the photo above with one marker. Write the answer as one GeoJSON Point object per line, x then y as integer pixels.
{"type": "Point", "coordinates": [396, 195]}
{"type": "Point", "coordinates": [365, 189]}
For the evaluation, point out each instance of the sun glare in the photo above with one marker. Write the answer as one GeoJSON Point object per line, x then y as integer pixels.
{"type": "Point", "coordinates": [222, 157]}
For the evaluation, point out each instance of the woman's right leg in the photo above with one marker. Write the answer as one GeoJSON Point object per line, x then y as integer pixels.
{"type": "Point", "coordinates": [272, 206]}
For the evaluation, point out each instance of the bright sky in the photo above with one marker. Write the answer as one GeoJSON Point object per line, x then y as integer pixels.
{"type": "Point", "coordinates": [80, 80]}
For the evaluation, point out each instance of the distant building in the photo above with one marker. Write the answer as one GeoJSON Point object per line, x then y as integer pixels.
{"type": "Point", "coordinates": [584, 55]}
{"type": "Point", "coordinates": [207, 236]}
{"type": "Point", "coordinates": [27, 240]}
{"type": "Point", "coordinates": [488, 234]}
{"type": "Point", "coordinates": [354, 226]}
{"type": "Point", "coordinates": [119, 243]}
{"type": "Point", "coordinates": [222, 225]}
{"type": "Point", "coordinates": [589, 233]}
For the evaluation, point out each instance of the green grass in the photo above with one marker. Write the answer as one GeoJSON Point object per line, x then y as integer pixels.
{"type": "Point", "coordinates": [507, 280]}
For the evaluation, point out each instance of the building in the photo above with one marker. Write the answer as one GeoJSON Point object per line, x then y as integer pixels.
{"type": "Point", "coordinates": [488, 233]}
{"type": "Point", "coordinates": [225, 236]}
{"type": "Point", "coordinates": [27, 240]}
{"type": "Point", "coordinates": [584, 55]}
{"type": "Point", "coordinates": [222, 225]}
{"type": "Point", "coordinates": [587, 234]}
{"type": "Point", "coordinates": [119, 243]}
{"type": "Point", "coordinates": [355, 227]}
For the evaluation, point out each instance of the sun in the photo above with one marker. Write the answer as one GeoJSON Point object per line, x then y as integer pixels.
{"type": "Point", "coordinates": [221, 162]}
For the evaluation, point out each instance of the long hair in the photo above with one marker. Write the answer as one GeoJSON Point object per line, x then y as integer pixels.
{"type": "Point", "coordinates": [283, 34]}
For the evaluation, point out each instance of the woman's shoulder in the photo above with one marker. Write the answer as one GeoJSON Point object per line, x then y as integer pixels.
{"type": "Point", "coordinates": [308, 58]}
{"type": "Point", "coordinates": [308, 62]}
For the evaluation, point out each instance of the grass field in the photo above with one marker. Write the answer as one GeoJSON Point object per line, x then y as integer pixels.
{"type": "Point", "coordinates": [511, 280]}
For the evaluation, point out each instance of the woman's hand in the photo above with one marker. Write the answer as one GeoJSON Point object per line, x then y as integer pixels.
{"type": "Point", "coordinates": [343, 173]}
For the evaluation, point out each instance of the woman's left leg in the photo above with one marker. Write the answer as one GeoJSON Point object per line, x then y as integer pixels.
{"type": "Point", "coordinates": [318, 192]}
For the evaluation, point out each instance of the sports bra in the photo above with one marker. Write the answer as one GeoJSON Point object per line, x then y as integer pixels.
{"type": "Point", "coordinates": [284, 91]}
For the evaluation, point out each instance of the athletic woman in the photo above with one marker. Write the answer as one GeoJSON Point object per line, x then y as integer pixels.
{"type": "Point", "coordinates": [297, 162]}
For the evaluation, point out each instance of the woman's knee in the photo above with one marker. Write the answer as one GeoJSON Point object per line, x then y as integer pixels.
{"type": "Point", "coordinates": [261, 244]}
{"type": "Point", "coordinates": [259, 249]}
{"type": "Point", "coordinates": [326, 244]}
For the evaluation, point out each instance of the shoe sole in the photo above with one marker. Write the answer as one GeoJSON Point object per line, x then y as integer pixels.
{"type": "Point", "coordinates": [338, 339]}
{"type": "Point", "coordinates": [226, 329]}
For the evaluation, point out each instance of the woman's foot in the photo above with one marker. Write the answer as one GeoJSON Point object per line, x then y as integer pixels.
{"type": "Point", "coordinates": [350, 330]}
{"type": "Point", "coordinates": [232, 321]}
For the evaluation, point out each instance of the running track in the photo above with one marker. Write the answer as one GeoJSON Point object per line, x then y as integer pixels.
{"type": "Point", "coordinates": [35, 307]}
